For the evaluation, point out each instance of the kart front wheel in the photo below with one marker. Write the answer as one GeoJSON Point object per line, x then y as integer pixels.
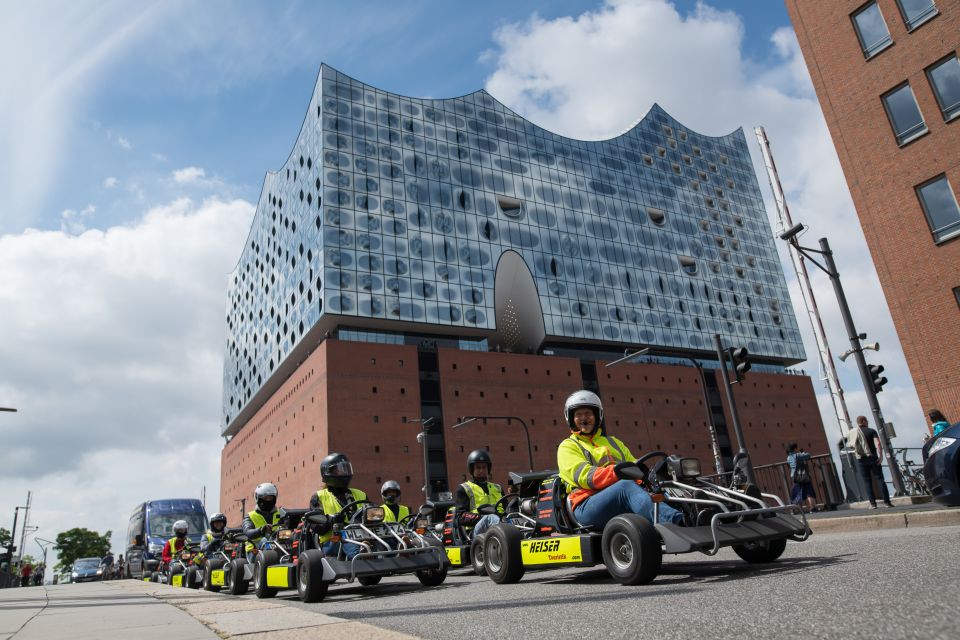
{"type": "Point", "coordinates": [212, 565]}
{"type": "Point", "coordinates": [190, 579]}
{"type": "Point", "coordinates": [501, 554]}
{"type": "Point", "coordinates": [760, 552]}
{"type": "Point", "coordinates": [369, 581]}
{"type": "Point", "coordinates": [631, 549]}
{"type": "Point", "coordinates": [476, 556]}
{"type": "Point", "coordinates": [434, 577]}
{"type": "Point", "coordinates": [234, 574]}
{"type": "Point", "coordinates": [264, 560]}
{"type": "Point", "coordinates": [310, 584]}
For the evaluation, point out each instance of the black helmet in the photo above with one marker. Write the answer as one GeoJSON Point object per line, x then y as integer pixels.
{"type": "Point", "coordinates": [479, 455]}
{"type": "Point", "coordinates": [390, 485]}
{"type": "Point", "coordinates": [218, 517]}
{"type": "Point", "coordinates": [266, 496]}
{"type": "Point", "coordinates": [336, 471]}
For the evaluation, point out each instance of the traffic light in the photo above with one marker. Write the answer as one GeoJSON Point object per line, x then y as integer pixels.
{"type": "Point", "coordinates": [876, 380]}
{"type": "Point", "coordinates": [740, 363]}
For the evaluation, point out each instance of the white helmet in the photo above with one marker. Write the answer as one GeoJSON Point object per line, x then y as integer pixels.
{"type": "Point", "coordinates": [579, 400]}
{"type": "Point", "coordinates": [180, 525]}
{"type": "Point", "coordinates": [262, 495]}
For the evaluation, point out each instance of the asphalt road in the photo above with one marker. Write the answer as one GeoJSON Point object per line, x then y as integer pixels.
{"type": "Point", "coordinates": [883, 584]}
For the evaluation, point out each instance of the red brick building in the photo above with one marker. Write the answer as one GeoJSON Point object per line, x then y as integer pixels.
{"type": "Point", "coordinates": [888, 79]}
{"type": "Point", "coordinates": [362, 399]}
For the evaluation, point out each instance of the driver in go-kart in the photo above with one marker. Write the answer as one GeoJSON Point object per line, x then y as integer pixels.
{"type": "Point", "coordinates": [213, 536]}
{"type": "Point", "coordinates": [175, 544]}
{"type": "Point", "coordinates": [393, 511]}
{"type": "Point", "coordinates": [587, 461]}
{"type": "Point", "coordinates": [263, 519]}
{"type": "Point", "coordinates": [336, 473]}
{"type": "Point", "coordinates": [475, 499]}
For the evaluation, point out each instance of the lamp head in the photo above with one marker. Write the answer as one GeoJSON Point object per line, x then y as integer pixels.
{"type": "Point", "coordinates": [791, 233]}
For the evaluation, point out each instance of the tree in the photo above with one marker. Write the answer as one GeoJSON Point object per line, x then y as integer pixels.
{"type": "Point", "coordinates": [5, 538]}
{"type": "Point", "coordinates": [80, 543]}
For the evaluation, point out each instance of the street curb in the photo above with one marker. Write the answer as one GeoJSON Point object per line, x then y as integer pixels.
{"type": "Point", "coordinates": [938, 518]}
{"type": "Point", "coordinates": [247, 619]}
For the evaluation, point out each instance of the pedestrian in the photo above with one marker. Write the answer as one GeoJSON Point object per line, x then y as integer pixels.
{"type": "Point", "coordinates": [938, 423]}
{"type": "Point", "coordinates": [802, 492]}
{"type": "Point", "coordinates": [25, 571]}
{"type": "Point", "coordinates": [866, 446]}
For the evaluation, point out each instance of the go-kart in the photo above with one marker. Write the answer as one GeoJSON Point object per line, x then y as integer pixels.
{"type": "Point", "coordinates": [466, 550]}
{"type": "Point", "coordinates": [211, 574]}
{"type": "Point", "coordinates": [181, 570]}
{"type": "Point", "coordinates": [290, 557]}
{"type": "Point", "coordinates": [630, 546]}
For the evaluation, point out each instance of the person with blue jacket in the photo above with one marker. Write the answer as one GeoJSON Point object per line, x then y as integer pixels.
{"type": "Point", "coordinates": [937, 421]}
{"type": "Point", "coordinates": [802, 492]}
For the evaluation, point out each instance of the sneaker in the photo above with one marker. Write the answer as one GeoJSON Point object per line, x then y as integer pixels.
{"type": "Point", "coordinates": [889, 504]}
{"type": "Point", "coordinates": [873, 505]}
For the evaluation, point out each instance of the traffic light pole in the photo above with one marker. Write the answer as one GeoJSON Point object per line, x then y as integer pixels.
{"type": "Point", "coordinates": [862, 367]}
{"type": "Point", "coordinates": [742, 453]}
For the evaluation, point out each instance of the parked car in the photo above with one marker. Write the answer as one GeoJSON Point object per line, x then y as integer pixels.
{"type": "Point", "coordinates": [151, 525]}
{"type": "Point", "coordinates": [85, 570]}
{"type": "Point", "coordinates": [942, 467]}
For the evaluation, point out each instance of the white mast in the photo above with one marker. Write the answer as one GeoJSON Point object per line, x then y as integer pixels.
{"type": "Point", "coordinates": [784, 221]}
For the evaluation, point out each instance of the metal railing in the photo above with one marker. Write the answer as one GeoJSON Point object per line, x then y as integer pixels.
{"type": "Point", "coordinates": [776, 479]}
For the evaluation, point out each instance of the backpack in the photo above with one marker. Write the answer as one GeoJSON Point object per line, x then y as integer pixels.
{"type": "Point", "coordinates": [800, 474]}
{"type": "Point", "coordinates": [857, 441]}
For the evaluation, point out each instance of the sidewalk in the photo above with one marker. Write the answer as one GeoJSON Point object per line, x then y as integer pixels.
{"type": "Point", "coordinates": [92, 611]}
{"type": "Point", "coordinates": [130, 608]}
{"type": "Point", "coordinates": [904, 515]}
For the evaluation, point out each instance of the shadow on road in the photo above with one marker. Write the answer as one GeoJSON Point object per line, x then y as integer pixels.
{"type": "Point", "coordinates": [357, 593]}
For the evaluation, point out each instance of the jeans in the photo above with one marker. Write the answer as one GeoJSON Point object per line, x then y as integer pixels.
{"type": "Point", "coordinates": [623, 496]}
{"type": "Point", "coordinates": [332, 549]}
{"type": "Point", "coordinates": [870, 468]}
{"type": "Point", "coordinates": [485, 523]}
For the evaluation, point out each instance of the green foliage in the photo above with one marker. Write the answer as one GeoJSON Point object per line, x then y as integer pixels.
{"type": "Point", "coordinates": [28, 558]}
{"type": "Point", "coordinates": [4, 538]}
{"type": "Point", "coordinates": [80, 543]}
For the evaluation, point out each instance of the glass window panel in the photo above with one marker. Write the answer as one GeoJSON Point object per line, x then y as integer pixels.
{"type": "Point", "coordinates": [945, 80]}
{"type": "Point", "coordinates": [871, 30]}
{"type": "Point", "coordinates": [916, 12]}
{"type": "Point", "coordinates": [904, 114]}
{"type": "Point", "coordinates": [940, 206]}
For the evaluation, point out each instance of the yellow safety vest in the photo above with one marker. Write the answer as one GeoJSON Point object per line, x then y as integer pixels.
{"type": "Point", "coordinates": [388, 516]}
{"type": "Point", "coordinates": [331, 506]}
{"type": "Point", "coordinates": [173, 546]}
{"type": "Point", "coordinates": [579, 457]}
{"type": "Point", "coordinates": [257, 518]}
{"type": "Point", "coordinates": [478, 497]}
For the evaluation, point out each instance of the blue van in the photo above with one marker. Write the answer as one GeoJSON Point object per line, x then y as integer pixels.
{"type": "Point", "coordinates": [151, 525]}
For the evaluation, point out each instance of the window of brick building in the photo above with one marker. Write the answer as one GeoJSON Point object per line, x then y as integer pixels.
{"type": "Point", "coordinates": [871, 30]}
{"type": "Point", "coordinates": [940, 206]}
{"type": "Point", "coordinates": [916, 12]}
{"type": "Point", "coordinates": [956, 294]}
{"type": "Point", "coordinates": [944, 77]}
{"type": "Point", "coordinates": [904, 114]}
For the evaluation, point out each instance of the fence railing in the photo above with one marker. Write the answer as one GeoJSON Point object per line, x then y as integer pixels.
{"type": "Point", "coordinates": [8, 580]}
{"type": "Point", "coordinates": [775, 478]}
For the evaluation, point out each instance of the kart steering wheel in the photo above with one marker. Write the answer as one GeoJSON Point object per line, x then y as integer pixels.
{"type": "Point", "coordinates": [651, 478]}
{"type": "Point", "coordinates": [351, 508]}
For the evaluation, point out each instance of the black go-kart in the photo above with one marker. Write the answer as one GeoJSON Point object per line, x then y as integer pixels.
{"type": "Point", "coordinates": [290, 557]}
{"type": "Point", "coordinates": [181, 570]}
{"type": "Point", "coordinates": [465, 550]}
{"type": "Point", "coordinates": [755, 525]}
{"type": "Point", "coordinates": [211, 572]}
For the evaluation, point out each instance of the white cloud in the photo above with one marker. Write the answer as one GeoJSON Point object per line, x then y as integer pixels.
{"type": "Point", "coordinates": [594, 75]}
{"type": "Point", "coordinates": [124, 143]}
{"type": "Point", "coordinates": [113, 351]}
{"type": "Point", "coordinates": [188, 175]}
{"type": "Point", "coordinates": [159, 157]}
{"type": "Point", "coordinates": [55, 54]}
{"type": "Point", "coordinates": [75, 222]}
{"type": "Point", "coordinates": [110, 182]}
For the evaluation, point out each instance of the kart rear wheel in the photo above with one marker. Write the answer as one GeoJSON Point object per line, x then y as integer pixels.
{"type": "Point", "coordinates": [264, 559]}
{"type": "Point", "coordinates": [434, 577]}
{"type": "Point", "coordinates": [760, 552]}
{"type": "Point", "coordinates": [310, 584]}
{"type": "Point", "coordinates": [234, 575]}
{"type": "Point", "coordinates": [631, 549]}
{"type": "Point", "coordinates": [190, 580]}
{"type": "Point", "coordinates": [212, 565]}
{"type": "Point", "coordinates": [154, 576]}
{"type": "Point", "coordinates": [501, 554]}
{"type": "Point", "coordinates": [369, 581]}
{"type": "Point", "coordinates": [476, 556]}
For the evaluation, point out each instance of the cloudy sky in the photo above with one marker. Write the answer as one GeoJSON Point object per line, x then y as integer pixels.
{"type": "Point", "coordinates": [135, 138]}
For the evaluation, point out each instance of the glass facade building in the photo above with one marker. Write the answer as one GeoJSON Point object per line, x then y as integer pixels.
{"type": "Point", "coordinates": [459, 217]}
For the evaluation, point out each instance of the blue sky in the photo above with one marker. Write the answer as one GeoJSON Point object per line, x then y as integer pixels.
{"type": "Point", "coordinates": [135, 137]}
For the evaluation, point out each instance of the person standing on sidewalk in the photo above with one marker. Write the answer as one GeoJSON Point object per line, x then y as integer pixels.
{"type": "Point", "coordinates": [25, 570]}
{"type": "Point", "coordinates": [802, 493]}
{"type": "Point", "coordinates": [867, 447]}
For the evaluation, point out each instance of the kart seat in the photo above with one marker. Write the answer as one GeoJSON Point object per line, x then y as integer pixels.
{"type": "Point", "coordinates": [566, 520]}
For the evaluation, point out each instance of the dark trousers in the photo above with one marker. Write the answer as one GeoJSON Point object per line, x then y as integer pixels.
{"type": "Point", "coordinates": [869, 469]}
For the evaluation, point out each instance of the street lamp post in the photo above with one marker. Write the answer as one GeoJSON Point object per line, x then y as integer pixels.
{"type": "Point", "coordinates": [465, 420]}
{"type": "Point", "coordinates": [714, 445]}
{"type": "Point", "coordinates": [424, 439]}
{"type": "Point", "coordinates": [46, 544]}
{"type": "Point", "coordinates": [830, 268]}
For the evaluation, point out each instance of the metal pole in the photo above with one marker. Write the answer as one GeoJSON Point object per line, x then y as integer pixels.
{"type": "Point", "coordinates": [862, 366]}
{"type": "Point", "coordinates": [717, 458]}
{"type": "Point", "coordinates": [426, 458]}
{"type": "Point", "coordinates": [13, 537]}
{"type": "Point", "coordinates": [26, 521]}
{"type": "Point", "coordinates": [785, 221]}
{"type": "Point", "coordinates": [734, 416]}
